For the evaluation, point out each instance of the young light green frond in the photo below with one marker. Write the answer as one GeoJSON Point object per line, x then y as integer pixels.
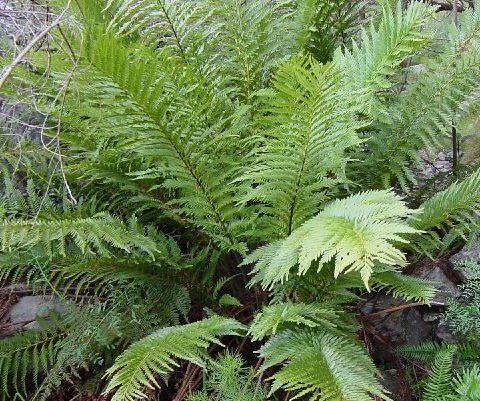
{"type": "Point", "coordinates": [321, 366]}
{"type": "Point", "coordinates": [439, 383]}
{"type": "Point", "coordinates": [400, 285]}
{"type": "Point", "coordinates": [135, 368]}
{"type": "Point", "coordinates": [307, 131]}
{"type": "Point", "coordinates": [278, 316]}
{"type": "Point", "coordinates": [380, 52]}
{"type": "Point", "coordinates": [354, 233]}
{"type": "Point", "coordinates": [467, 384]}
{"type": "Point", "coordinates": [99, 234]}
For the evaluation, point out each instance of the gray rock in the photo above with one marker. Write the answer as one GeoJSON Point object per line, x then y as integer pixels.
{"type": "Point", "coordinates": [468, 254]}
{"type": "Point", "coordinates": [445, 287]}
{"type": "Point", "coordinates": [390, 382]}
{"type": "Point", "coordinates": [28, 308]}
{"type": "Point", "coordinates": [443, 333]}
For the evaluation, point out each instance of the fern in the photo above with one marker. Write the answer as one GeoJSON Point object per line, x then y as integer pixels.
{"type": "Point", "coordinates": [94, 234]}
{"type": "Point", "coordinates": [320, 365]}
{"type": "Point", "coordinates": [273, 317]}
{"type": "Point", "coordinates": [357, 232]}
{"type": "Point", "coordinates": [439, 383]}
{"type": "Point", "coordinates": [452, 209]}
{"type": "Point", "coordinates": [304, 156]}
{"type": "Point", "coordinates": [134, 369]}
{"type": "Point", "coordinates": [25, 357]}
{"type": "Point", "coordinates": [229, 380]}
{"type": "Point", "coordinates": [377, 57]}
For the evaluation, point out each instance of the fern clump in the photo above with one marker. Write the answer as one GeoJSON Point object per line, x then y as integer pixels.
{"type": "Point", "coordinates": [230, 173]}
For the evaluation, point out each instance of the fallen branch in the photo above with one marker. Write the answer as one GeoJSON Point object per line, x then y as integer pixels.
{"type": "Point", "coordinates": [9, 69]}
{"type": "Point", "coordinates": [397, 308]}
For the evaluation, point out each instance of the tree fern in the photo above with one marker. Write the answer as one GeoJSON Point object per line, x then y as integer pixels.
{"type": "Point", "coordinates": [134, 369]}
{"type": "Point", "coordinates": [355, 232]}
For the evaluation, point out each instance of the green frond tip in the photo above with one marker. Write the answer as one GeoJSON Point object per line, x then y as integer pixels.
{"type": "Point", "coordinates": [353, 233]}
{"type": "Point", "coordinates": [273, 317]}
{"type": "Point", "coordinates": [98, 234]}
{"type": "Point", "coordinates": [439, 383]}
{"type": "Point", "coordinates": [459, 202]}
{"type": "Point", "coordinates": [400, 285]}
{"type": "Point", "coordinates": [137, 367]}
{"type": "Point", "coordinates": [321, 366]}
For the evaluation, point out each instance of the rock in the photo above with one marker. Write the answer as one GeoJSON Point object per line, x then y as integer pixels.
{"type": "Point", "coordinates": [389, 380]}
{"type": "Point", "coordinates": [431, 317]}
{"type": "Point", "coordinates": [397, 327]}
{"type": "Point", "coordinates": [468, 254]}
{"type": "Point", "coordinates": [445, 287]}
{"type": "Point", "coordinates": [444, 334]}
{"type": "Point", "coordinates": [28, 308]}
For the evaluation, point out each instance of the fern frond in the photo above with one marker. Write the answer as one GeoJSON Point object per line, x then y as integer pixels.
{"type": "Point", "coordinates": [467, 384]}
{"type": "Point", "coordinates": [307, 132]}
{"type": "Point", "coordinates": [96, 234]}
{"type": "Point", "coordinates": [172, 126]}
{"type": "Point", "coordinates": [135, 368]}
{"type": "Point", "coordinates": [453, 209]}
{"type": "Point", "coordinates": [355, 233]}
{"type": "Point", "coordinates": [278, 316]}
{"type": "Point", "coordinates": [324, 25]}
{"type": "Point", "coordinates": [369, 64]}
{"type": "Point", "coordinates": [439, 383]}
{"type": "Point", "coordinates": [404, 286]}
{"type": "Point", "coordinates": [424, 352]}
{"type": "Point", "coordinates": [321, 366]}
{"type": "Point", "coordinates": [24, 357]}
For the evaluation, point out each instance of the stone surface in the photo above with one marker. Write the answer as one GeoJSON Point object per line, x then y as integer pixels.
{"type": "Point", "coordinates": [469, 253]}
{"type": "Point", "coordinates": [28, 308]}
{"type": "Point", "coordinates": [389, 380]}
{"type": "Point", "coordinates": [445, 287]}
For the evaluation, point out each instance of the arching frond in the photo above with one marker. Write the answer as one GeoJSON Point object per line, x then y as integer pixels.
{"type": "Point", "coordinates": [280, 316]}
{"type": "Point", "coordinates": [439, 383]}
{"type": "Point", "coordinates": [404, 286]}
{"type": "Point", "coordinates": [135, 368]}
{"type": "Point", "coordinates": [94, 234]}
{"type": "Point", "coordinates": [371, 61]}
{"type": "Point", "coordinates": [321, 366]}
{"type": "Point", "coordinates": [307, 132]}
{"type": "Point", "coordinates": [354, 233]}
{"type": "Point", "coordinates": [453, 210]}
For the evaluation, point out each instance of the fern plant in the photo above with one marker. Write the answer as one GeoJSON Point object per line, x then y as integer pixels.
{"type": "Point", "coordinates": [198, 146]}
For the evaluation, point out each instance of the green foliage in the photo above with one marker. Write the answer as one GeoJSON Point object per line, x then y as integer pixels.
{"type": "Point", "coordinates": [229, 380]}
{"type": "Point", "coordinates": [26, 356]}
{"type": "Point", "coordinates": [356, 232]}
{"type": "Point", "coordinates": [135, 368]}
{"type": "Point", "coordinates": [195, 133]}
{"type": "Point", "coordinates": [321, 365]}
